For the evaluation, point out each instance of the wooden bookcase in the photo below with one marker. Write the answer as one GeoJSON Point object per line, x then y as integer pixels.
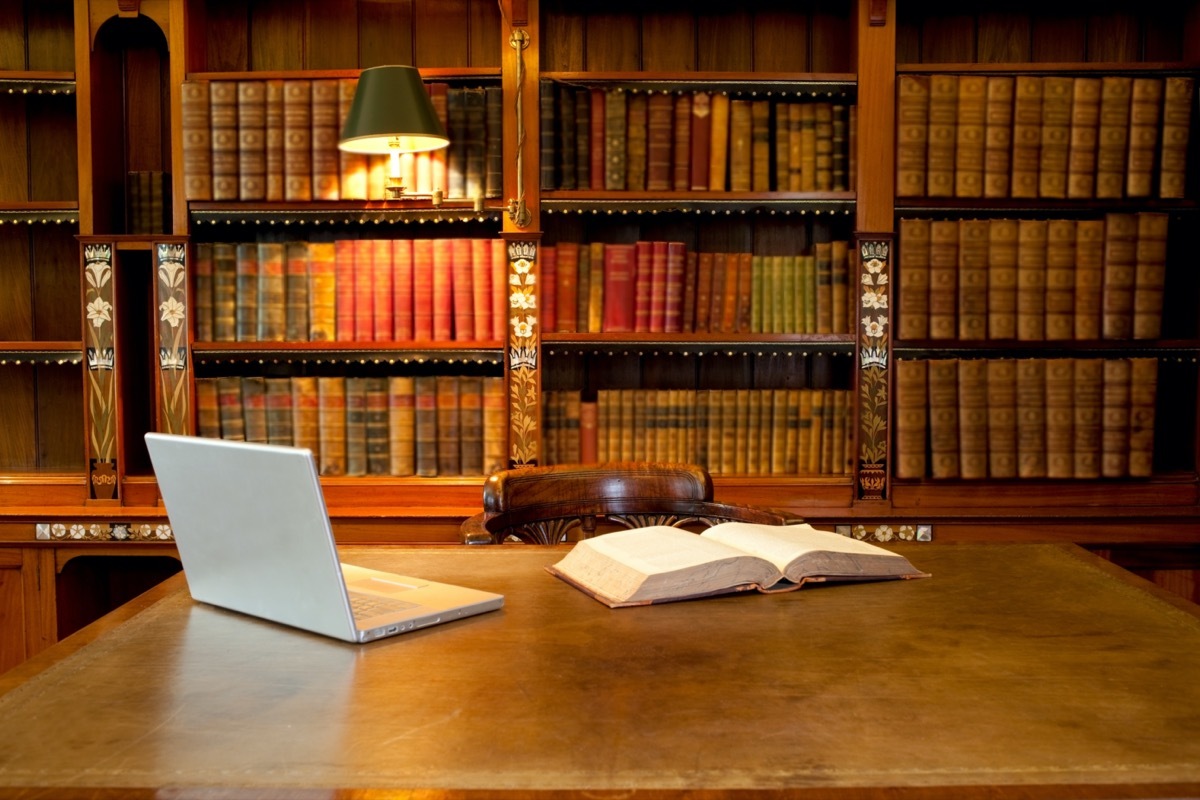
{"type": "Point", "coordinates": [91, 91]}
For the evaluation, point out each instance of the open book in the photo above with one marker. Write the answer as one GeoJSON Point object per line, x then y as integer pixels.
{"type": "Point", "coordinates": [660, 564]}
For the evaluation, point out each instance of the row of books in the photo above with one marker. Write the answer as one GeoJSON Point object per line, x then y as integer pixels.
{"type": "Point", "coordinates": [276, 140]}
{"type": "Point", "coordinates": [663, 287]}
{"type": "Point", "coordinates": [426, 426]}
{"type": "Point", "coordinates": [1033, 279]}
{"type": "Point", "coordinates": [1052, 136]}
{"type": "Point", "coordinates": [351, 290]}
{"type": "Point", "coordinates": [727, 431]}
{"type": "Point", "coordinates": [1079, 418]}
{"type": "Point", "coordinates": [616, 139]}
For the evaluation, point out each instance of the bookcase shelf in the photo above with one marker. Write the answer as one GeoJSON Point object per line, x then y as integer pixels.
{"type": "Point", "coordinates": [750, 83]}
{"type": "Point", "coordinates": [363, 353]}
{"type": "Point", "coordinates": [621, 204]}
{"type": "Point", "coordinates": [348, 213]}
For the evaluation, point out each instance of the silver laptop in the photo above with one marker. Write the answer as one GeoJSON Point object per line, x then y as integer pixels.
{"type": "Point", "coordinates": [254, 536]}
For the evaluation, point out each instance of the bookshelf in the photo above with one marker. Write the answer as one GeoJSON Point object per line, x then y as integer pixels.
{"type": "Point", "coordinates": [88, 215]}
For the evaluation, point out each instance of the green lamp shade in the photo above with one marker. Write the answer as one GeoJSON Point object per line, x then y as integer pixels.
{"type": "Point", "coordinates": [392, 113]}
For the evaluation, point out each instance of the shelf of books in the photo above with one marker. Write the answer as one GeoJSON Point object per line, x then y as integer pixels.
{"type": "Point", "coordinates": [1045, 322]}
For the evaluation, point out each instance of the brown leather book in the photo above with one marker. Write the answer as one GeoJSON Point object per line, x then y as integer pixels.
{"type": "Point", "coordinates": [615, 102]}
{"type": "Point", "coordinates": [1027, 136]}
{"type": "Point", "coordinates": [781, 147]}
{"type": "Point", "coordinates": [943, 116]}
{"type": "Point", "coordinates": [744, 287]}
{"type": "Point", "coordinates": [1089, 277]}
{"type": "Point", "coordinates": [202, 297]}
{"type": "Point", "coordinates": [795, 113]}
{"type": "Point", "coordinates": [841, 143]}
{"type": "Point", "coordinates": [740, 145]}
{"type": "Point", "coordinates": [808, 147]}
{"type": "Point", "coordinates": [279, 411]}
{"type": "Point", "coordinates": [1120, 273]}
{"type": "Point", "coordinates": [356, 425]}
{"type": "Point", "coordinates": [637, 141]}
{"type": "Point", "coordinates": [912, 419]}
{"type": "Point", "coordinates": [658, 287]}
{"type": "Point", "coordinates": [425, 393]}
{"type": "Point", "coordinates": [247, 292]}
{"type": "Point", "coordinates": [760, 145]}
{"type": "Point", "coordinates": [998, 136]}
{"type": "Point", "coordinates": [1145, 110]}
{"type": "Point", "coordinates": [1085, 133]}
{"type": "Point", "coordinates": [681, 142]}
{"type": "Point", "coordinates": [1002, 279]}
{"type": "Point", "coordinates": [659, 131]}
{"type": "Point", "coordinates": [275, 137]}
{"type": "Point", "coordinates": [1112, 144]}
{"type": "Point", "coordinates": [1176, 130]}
{"type": "Point", "coordinates": [230, 409]}
{"type": "Point", "coordinates": [1114, 421]}
{"type": "Point", "coordinates": [1056, 135]}
{"type": "Point", "coordinates": [1143, 383]}
{"type": "Point", "coordinates": [704, 288]}
{"type": "Point", "coordinates": [943, 279]}
{"type": "Point", "coordinates": [401, 390]}
{"type": "Point", "coordinates": [973, 418]}
{"type": "Point", "coordinates": [913, 275]}
{"type": "Point", "coordinates": [352, 167]}
{"type": "Point", "coordinates": [306, 418]}
{"type": "Point", "coordinates": [272, 293]}
{"type": "Point", "coordinates": [912, 134]}
{"type": "Point", "coordinates": [223, 115]}
{"type": "Point", "coordinates": [252, 139]}
{"type": "Point", "coordinates": [1060, 417]}
{"type": "Point", "coordinates": [493, 140]}
{"type": "Point", "coordinates": [1031, 418]}
{"type": "Point", "coordinates": [597, 164]}
{"type": "Point", "coordinates": [823, 129]}
{"type": "Point", "coordinates": [470, 411]}
{"type": "Point", "coordinates": [197, 140]}
{"type": "Point", "coordinates": [208, 409]}
{"type": "Point", "coordinates": [495, 424]}
{"type": "Point", "coordinates": [225, 292]}
{"type": "Point", "coordinates": [823, 260]}
{"type": "Point", "coordinates": [945, 461]}
{"type": "Point", "coordinates": [841, 294]}
{"type": "Point", "coordinates": [718, 148]}
{"type": "Point", "coordinates": [1060, 279]}
{"type": "Point", "coordinates": [331, 411]}
{"type": "Point", "coordinates": [972, 279]}
{"type": "Point", "coordinates": [1001, 381]}
{"type": "Point", "coordinates": [254, 408]}
{"type": "Point", "coordinates": [297, 139]}
{"type": "Point", "coordinates": [970, 135]}
{"type": "Point", "coordinates": [691, 268]}
{"type": "Point", "coordinates": [1089, 411]}
{"type": "Point", "coordinates": [326, 164]}
{"type": "Point", "coordinates": [1031, 279]}
{"type": "Point", "coordinates": [595, 296]}
{"type": "Point", "coordinates": [701, 142]}
{"type": "Point", "coordinates": [1149, 274]}
{"type": "Point", "coordinates": [322, 291]}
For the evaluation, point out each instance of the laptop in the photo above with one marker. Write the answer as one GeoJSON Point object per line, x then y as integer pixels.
{"type": "Point", "coordinates": [254, 536]}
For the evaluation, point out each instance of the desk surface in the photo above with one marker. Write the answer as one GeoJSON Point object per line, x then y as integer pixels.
{"type": "Point", "coordinates": [1034, 668]}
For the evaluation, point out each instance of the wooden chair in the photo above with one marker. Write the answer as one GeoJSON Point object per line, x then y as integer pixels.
{"type": "Point", "coordinates": [546, 505]}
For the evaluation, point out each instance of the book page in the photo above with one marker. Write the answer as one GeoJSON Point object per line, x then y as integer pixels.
{"type": "Point", "coordinates": [783, 544]}
{"type": "Point", "coordinates": [660, 548]}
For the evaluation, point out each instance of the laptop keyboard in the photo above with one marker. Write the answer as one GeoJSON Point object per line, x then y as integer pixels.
{"type": "Point", "coordinates": [369, 605]}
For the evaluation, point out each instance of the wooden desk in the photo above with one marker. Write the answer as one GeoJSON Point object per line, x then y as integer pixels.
{"type": "Point", "coordinates": [1038, 670]}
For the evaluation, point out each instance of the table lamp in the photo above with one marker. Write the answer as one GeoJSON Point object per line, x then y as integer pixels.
{"type": "Point", "coordinates": [392, 114]}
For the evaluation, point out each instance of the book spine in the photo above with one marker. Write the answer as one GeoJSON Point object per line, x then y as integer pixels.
{"type": "Point", "coordinates": [1026, 136]}
{"type": "Point", "coordinates": [247, 291]}
{"type": "Point", "coordinates": [618, 288]}
{"type": "Point", "coordinates": [1113, 139]}
{"type": "Point", "coordinates": [197, 140]}
{"type": "Point", "coordinates": [594, 311]}
{"type": "Point", "coordinates": [1002, 278]}
{"type": "Point", "coordinates": [383, 320]}
{"type": "Point", "coordinates": [1001, 388]}
{"type": "Point", "coordinates": [566, 287]}
{"type": "Point", "coordinates": [1031, 279]}
{"type": "Point", "coordinates": [363, 323]}
{"type": "Point", "coordinates": [583, 138]}
{"type": "Point", "coordinates": [760, 145]}
{"type": "Point", "coordinates": [914, 264]}
{"type": "Point", "coordinates": [203, 298]}
{"type": "Point", "coordinates": [597, 164]}
{"type": "Point", "coordinates": [1120, 271]}
{"type": "Point", "coordinates": [252, 139]}
{"type": "Point", "coordinates": [1060, 417]}
{"type": "Point", "coordinates": [331, 411]}
{"type": "Point", "coordinates": [449, 420]}
{"type": "Point", "coordinates": [718, 148]}
{"type": "Point", "coordinates": [229, 408]}
{"type": "Point", "coordinates": [352, 167]}
{"type": "Point", "coordinates": [462, 291]}
{"type": "Point", "coordinates": [493, 103]}
{"type": "Point", "coordinates": [1056, 135]}
{"type": "Point", "coordinates": [306, 416]}
{"type": "Point", "coordinates": [969, 135]}
{"type": "Point", "coordinates": [475, 149]}
{"type": "Point", "coordinates": [1150, 269]}
{"type": "Point", "coordinates": [224, 136]}
{"type": "Point", "coordinates": [272, 293]}
{"type": "Point", "coordinates": [548, 139]}
{"type": "Point", "coordinates": [912, 420]}
{"type": "Point", "coordinates": [657, 134]}
{"type": "Point", "coordinates": [322, 291]}
{"type": "Point", "coordinates": [808, 148]}
{"type": "Point", "coordinates": [615, 167]}
{"type": "Point", "coordinates": [681, 139]}
{"type": "Point", "coordinates": [377, 433]}
{"type": "Point", "coordinates": [1031, 418]}
{"type": "Point", "coordinates": [254, 408]}
{"type": "Point", "coordinates": [1089, 277]}
{"type": "Point", "coordinates": [1088, 417]}
{"type": "Point", "coordinates": [442, 294]}
{"type": "Point", "coordinates": [401, 391]}
{"type": "Point", "coordinates": [673, 302]}
{"type": "Point", "coordinates": [1115, 412]}
{"type": "Point", "coordinates": [481, 290]}
{"type": "Point", "coordinates": [1176, 131]}
{"type": "Point", "coordinates": [943, 418]}
{"type": "Point", "coordinates": [1060, 279]}
{"type": "Point", "coordinates": [356, 426]}
{"type": "Point", "coordinates": [973, 418]}
{"type": "Point", "coordinates": [402, 290]}
{"type": "Point", "coordinates": [500, 296]}
{"type": "Point", "coordinates": [998, 136]}
{"type": "Point", "coordinates": [225, 292]}
{"type": "Point", "coordinates": [326, 165]}
{"type": "Point", "coordinates": [943, 116]}
{"type": "Point", "coordinates": [943, 279]}
{"type": "Point", "coordinates": [912, 134]}
{"type": "Point", "coordinates": [425, 393]}
{"type": "Point", "coordinates": [1085, 132]}
{"type": "Point", "coordinates": [1145, 109]}
{"type": "Point", "coordinates": [297, 140]}
{"type": "Point", "coordinates": [456, 151]}
{"type": "Point", "coordinates": [972, 279]}
{"type": "Point", "coordinates": [470, 410]}
{"type": "Point", "coordinates": [279, 411]}
{"type": "Point", "coordinates": [495, 424]}
{"type": "Point", "coordinates": [1143, 384]}
{"type": "Point", "coordinates": [698, 151]}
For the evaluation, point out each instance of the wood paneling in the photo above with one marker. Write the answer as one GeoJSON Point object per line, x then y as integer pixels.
{"type": "Point", "coordinates": [51, 45]}
{"type": "Point", "coordinates": [14, 155]}
{"type": "Point", "coordinates": [53, 157]}
{"type": "Point", "coordinates": [60, 445]}
{"type": "Point", "coordinates": [385, 32]}
{"type": "Point", "coordinates": [726, 41]}
{"type": "Point", "coordinates": [441, 33]}
{"type": "Point", "coordinates": [18, 409]}
{"type": "Point", "coordinates": [16, 276]}
{"type": "Point", "coordinates": [331, 35]}
{"type": "Point", "coordinates": [668, 41]}
{"type": "Point", "coordinates": [56, 283]}
{"type": "Point", "coordinates": [276, 36]}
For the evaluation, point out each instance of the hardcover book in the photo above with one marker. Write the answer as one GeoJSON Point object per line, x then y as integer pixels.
{"type": "Point", "coordinates": [661, 564]}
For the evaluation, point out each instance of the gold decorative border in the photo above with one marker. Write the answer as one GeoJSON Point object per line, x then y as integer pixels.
{"type": "Point", "coordinates": [875, 319]}
{"type": "Point", "coordinates": [100, 358]}
{"type": "Point", "coordinates": [524, 352]}
{"type": "Point", "coordinates": [888, 532]}
{"type": "Point", "coordinates": [103, 532]}
{"type": "Point", "coordinates": [171, 336]}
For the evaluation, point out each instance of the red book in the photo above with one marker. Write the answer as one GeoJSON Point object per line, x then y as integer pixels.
{"type": "Point", "coordinates": [482, 289]}
{"type": "Point", "coordinates": [382, 288]}
{"type": "Point", "coordinates": [618, 288]}
{"type": "Point", "coordinates": [659, 116]}
{"type": "Point", "coordinates": [589, 430]}
{"type": "Point", "coordinates": [423, 290]}
{"type": "Point", "coordinates": [690, 267]}
{"type": "Point", "coordinates": [551, 317]}
{"type": "Point", "coordinates": [673, 302]}
{"type": "Point", "coordinates": [463, 294]}
{"type": "Point", "coordinates": [364, 289]}
{"type": "Point", "coordinates": [565, 288]}
{"type": "Point", "coordinates": [701, 140]}
{"type": "Point", "coordinates": [597, 162]}
{"type": "Point", "coordinates": [402, 290]}
{"type": "Point", "coordinates": [658, 287]}
{"type": "Point", "coordinates": [704, 288]}
{"type": "Point", "coordinates": [642, 257]}
{"type": "Point", "coordinates": [500, 293]}
{"type": "Point", "coordinates": [344, 276]}
{"type": "Point", "coordinates": [443, 291]}
{"type": "Point", "coordinates": [681, 159]}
